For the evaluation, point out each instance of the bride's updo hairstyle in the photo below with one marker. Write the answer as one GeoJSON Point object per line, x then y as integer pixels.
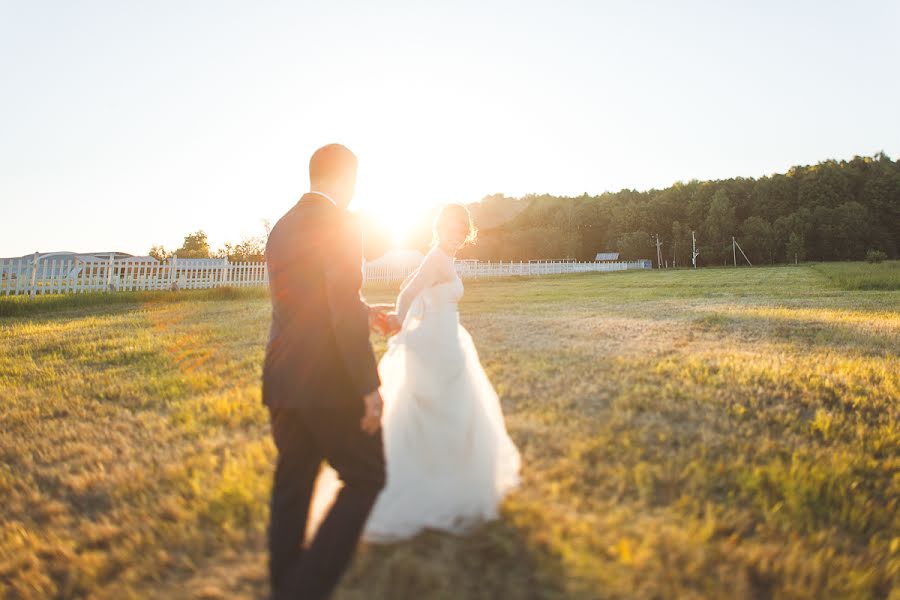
{"type": "Point", "coordinates": [454, 214]}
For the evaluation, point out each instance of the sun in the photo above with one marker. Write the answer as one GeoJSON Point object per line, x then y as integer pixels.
{"type": "Point", "coordinates": [397, 213]}
{"type": "Point", "coordinates": [400, 222]}
{"type": "Point", "coordinates": [399, 233]}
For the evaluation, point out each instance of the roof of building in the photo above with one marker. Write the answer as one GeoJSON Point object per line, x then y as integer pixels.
{"type": "Point", "coordinates": [86, 256]}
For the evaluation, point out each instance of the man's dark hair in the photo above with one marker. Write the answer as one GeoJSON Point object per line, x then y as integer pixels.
{"type": "Point", "coordinates": [331, 162]}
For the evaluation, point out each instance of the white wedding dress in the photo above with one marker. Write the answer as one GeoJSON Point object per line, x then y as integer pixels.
{"type": "Point", "coordinates": [449, 458]}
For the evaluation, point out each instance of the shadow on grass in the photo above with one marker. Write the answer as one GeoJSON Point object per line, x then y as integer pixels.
{"type": "Point", "coordinates": [495, 561]}
{"type": "Point", "coordinates": [796, 330]}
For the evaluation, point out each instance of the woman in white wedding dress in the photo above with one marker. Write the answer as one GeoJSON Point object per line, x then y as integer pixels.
{"type": "Point", "coordinates": [449, 458]}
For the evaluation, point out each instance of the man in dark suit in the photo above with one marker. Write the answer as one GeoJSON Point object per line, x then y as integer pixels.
{"type": "Point", "coordinates": [320, 381]}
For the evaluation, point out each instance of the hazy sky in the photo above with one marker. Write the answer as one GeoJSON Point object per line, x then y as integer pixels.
{"type": "Point", "coordinates": [126, 124]}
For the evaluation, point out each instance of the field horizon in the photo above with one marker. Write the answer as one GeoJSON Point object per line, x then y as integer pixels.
{"type": "Point", "coordinates": [693, 434]}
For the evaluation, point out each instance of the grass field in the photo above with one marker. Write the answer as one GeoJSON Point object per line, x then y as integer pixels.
{"type": "Point", "coordinates": [722, 433]}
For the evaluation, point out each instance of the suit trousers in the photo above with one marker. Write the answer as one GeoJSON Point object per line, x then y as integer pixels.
{"type": "Point", "coordinates": [305, 436]}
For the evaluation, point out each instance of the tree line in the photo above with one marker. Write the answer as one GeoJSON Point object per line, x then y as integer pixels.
{"type": "Point", "coordinates": [196, 245]}
{"type": "Point", "coordinates": [835, 210]}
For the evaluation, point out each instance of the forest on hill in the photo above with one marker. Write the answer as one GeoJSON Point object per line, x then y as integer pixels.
{"type": "Point", "coordinates": [835, 210]}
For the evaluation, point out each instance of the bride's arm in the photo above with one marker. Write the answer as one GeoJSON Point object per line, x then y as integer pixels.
{"type": "Point", "coordinates": [409, 278]}
{"type": "Point", "coordinates": [428, 273]}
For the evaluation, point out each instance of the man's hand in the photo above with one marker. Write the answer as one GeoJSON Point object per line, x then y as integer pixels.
{"type": "Point", "coordinates": [371, 421]}
{"type": "Point", "coordinates": [376, 315]}
{"type": "Point", "coordinates": [392, 323]}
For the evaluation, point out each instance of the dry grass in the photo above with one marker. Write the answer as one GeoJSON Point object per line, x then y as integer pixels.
{"type": "Point", "coordinates": [721, 433]}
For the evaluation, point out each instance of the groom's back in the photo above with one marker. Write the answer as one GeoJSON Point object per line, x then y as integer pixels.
{"type": "Point", "coordinates": [302, 360]}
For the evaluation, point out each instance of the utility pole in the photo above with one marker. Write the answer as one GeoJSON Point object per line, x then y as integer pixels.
{"type": "Point", "coordinates": [733, 251]}
{"type": "Point", "coordinates": [658, 253]}
{"type": "Point", "coordinates": [694, 252]}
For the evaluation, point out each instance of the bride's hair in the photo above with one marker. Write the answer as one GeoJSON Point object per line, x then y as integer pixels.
{"type": "Point", "coordinates": [454, 213]}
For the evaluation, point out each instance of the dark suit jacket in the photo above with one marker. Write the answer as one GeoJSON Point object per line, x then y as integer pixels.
{"type": "Point", "coordinates": [319, 341]}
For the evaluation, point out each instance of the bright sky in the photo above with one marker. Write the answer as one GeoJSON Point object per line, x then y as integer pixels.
{"type": "Point", "coordinates": [127, 124]}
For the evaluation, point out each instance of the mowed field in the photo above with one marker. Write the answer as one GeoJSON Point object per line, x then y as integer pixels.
{"type": "Point", "coordinates": [722, 433]}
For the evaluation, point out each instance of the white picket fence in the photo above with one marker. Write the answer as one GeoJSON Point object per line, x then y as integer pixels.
{"type": "Point", "coordinates": [75, 276]}
{"type": "Point", "coordinates": [34, 276]}
{"type": "Point", "coordinates": [475, 269]}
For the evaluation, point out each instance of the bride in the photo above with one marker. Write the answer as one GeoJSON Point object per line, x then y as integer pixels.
{"type": "Point", "coordinates": [449, 458]}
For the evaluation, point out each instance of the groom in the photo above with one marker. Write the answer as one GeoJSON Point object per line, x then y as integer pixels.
{"type": "Point", "coordinates": [320, 381]}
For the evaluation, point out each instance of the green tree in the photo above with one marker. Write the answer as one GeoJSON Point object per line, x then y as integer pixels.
{"type": "Point", "coordinates": [159, 253]}
{"type": "Point", "coordinates": [566, 233]}
{"type": "Point", "coordinates": [636, 245]}
{"type": "Point", "coordinates": [249, 249]}
{"type": "Point", "coordinates": [824, 230]}
{"type": "Point", "coordinates": [853, 235]}
{"type": "Point", "coordinates": [679, 250]}
{"type": "Point", "coordinates": [825, 184]}
{"type": "Point", "coordinates": [592, 222]}
{"type": "Point", "coordinates": [758, 240]}
{"type": "Point", "coordinates": [796, 248]}
{"type": "Point", "coordinates": [720, 226]}
{"type": "Point", "coordinates": [195, 245]}
{"type": "Point", "coordinates": [880, 193]}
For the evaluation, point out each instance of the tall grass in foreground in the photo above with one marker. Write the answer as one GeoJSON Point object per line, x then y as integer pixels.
{"type": "Point", "coordinates": [721, 433]}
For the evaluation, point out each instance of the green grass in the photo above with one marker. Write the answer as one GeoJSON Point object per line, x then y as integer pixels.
{"type": "Point", "coordinates": [721, 433]}
{"type": "Point", "coordinates": [852, 276]}
{"type": "Point", "coordinates": [20, 306]}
